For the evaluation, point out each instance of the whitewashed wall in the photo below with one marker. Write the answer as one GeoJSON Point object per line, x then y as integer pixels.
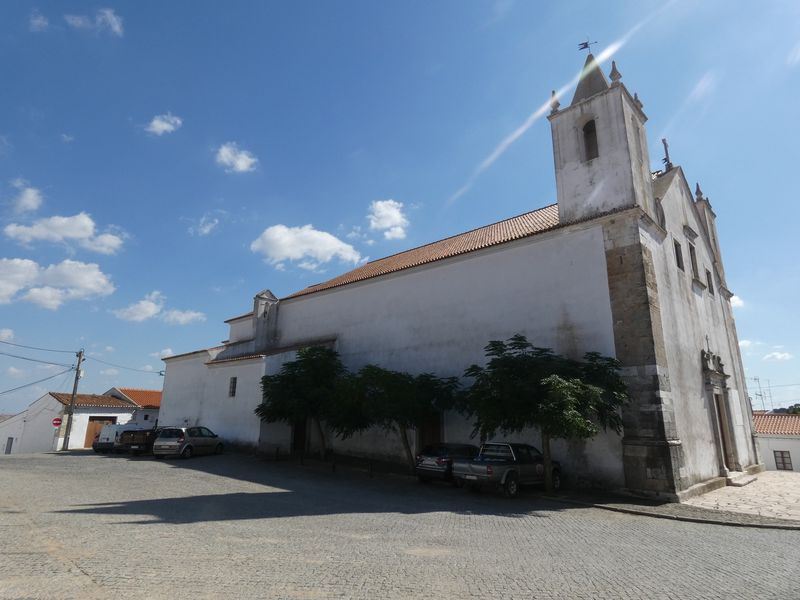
{"type": "Point", "coordinates": [689, 314]}
{"type": "Point", "coordinates": [438, 318]}
{"type": "Point", "coordinates": [12, 428]}
{"type": "Point", "coordinates": [767, 444]}
{"type": "Point", "coordinates": [197, 394]}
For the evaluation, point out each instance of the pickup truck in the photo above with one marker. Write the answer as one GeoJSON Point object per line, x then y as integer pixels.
{"type": "Point", "coordinates": [138, 441]}
{"type": "Point", "coordinates": [505, 467]}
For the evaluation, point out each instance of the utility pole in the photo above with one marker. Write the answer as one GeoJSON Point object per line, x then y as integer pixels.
{"type": "Point", "coordinates": [71, 409]}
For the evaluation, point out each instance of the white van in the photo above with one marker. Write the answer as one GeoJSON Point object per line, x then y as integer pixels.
{"type": "Point", "coordinates": [105, 440]}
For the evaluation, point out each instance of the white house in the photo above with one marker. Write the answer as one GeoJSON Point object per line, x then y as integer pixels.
{"type": "Point", "coordinates": [32, 430]}
{"type": "Point", "coordinates": [148, 402]}
{"type": "Point", "coordinates": [626, 263]}
{"type": "Point", "coordinates": [778, 437]}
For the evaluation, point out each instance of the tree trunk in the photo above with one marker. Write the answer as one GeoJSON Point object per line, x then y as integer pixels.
{"type": "Point", "coordinates": [548, 463]}
{"type": "Point", "coordinates": [322, 448]}
{"type": "Point", "coordinates": [407, 447]}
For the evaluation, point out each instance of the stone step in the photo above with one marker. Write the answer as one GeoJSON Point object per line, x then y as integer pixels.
{"type": "Point", "coordinates": [739, 479]}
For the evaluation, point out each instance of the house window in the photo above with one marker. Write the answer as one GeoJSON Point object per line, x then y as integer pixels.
{"type": "Point", "coordinates": [232, 387]}
{"type": "Point", "coordinates": [783, 462]}
{"type": "Point", "coordinates": [679, 255]}
{"type": "Point", "coordinates": [710, 281]}
{"type": "Point", "coordinates": [590, 141]}
{"type": "Point", "coordinates": [147, 417]}
{"type": "Point", "coordinates": [693, 258]}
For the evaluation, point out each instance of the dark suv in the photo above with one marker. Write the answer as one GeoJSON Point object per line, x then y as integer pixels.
{"type": "Point", "coordinates": [436, 460]}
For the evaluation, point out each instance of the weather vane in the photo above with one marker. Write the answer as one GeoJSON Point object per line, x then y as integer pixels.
{"type": "Point", "coordinates": [586, 45]}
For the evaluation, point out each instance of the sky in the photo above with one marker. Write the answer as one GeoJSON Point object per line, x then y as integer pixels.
{"type": "Point", "coordinates": [163, 162]}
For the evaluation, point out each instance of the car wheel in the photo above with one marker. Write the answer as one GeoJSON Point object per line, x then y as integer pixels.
{"type": "Point", "coordinates": [556, 477]}
{"type": "Point", "coordinates": [187, 452]}
{"type": "Point", "coordinates": [218, 449]}
{"type": "Point", "coordinates": [511, 486]}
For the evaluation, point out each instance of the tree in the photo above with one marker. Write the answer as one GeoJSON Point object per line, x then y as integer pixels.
{"type": "Point", "coordinates": [794, 409]}
{"type": "Point", "coordinates": [392, 400]}
{"type": "Point", "coordinates": [305, 388]}
{"type": "Point", "coordinates": [523, 386]}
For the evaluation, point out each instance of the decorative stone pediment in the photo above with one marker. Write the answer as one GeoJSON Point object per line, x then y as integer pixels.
{"type": "Point", "coordinates": [713, 369]}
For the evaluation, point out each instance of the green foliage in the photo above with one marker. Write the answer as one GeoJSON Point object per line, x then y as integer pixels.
{"type": "Point", "coordinates": [304, 388]}
{"type": "Point", "coordinates": [524, 386]}
{"type": "Point", "coordinates": [794, 409]}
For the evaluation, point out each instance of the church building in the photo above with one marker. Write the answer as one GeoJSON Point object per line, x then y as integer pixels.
{"type": "Point", "coordinates": [626, 263]}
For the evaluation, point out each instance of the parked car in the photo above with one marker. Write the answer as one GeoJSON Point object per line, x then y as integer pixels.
{"type": "Point", "coordinates": [186, 442]}
{"type": "Point", "coordinates": [505, 467]}
{"type": "Point", "coordinates": [138, 441]}
{"type": "Point", "coordinates": [436, 461]}
{"type": "Point", "coordinates": [104, 441]}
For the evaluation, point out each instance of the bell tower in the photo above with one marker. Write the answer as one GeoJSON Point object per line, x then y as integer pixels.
{"type": "Point", "coordinates": [600, 148]}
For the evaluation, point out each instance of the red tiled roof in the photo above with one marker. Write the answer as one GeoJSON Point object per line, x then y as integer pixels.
{"type": "Point", "coordinates": [144, 398]}
{"type": "Point", "coordinates": [515, 228]}
{"type": "Point", "coordinates": [780, 424]}
{"type": "Point", "coordinates": [92, 401]}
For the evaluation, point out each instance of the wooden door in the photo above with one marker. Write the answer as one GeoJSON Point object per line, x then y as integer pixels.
{"type": "Point", "coordinates": [94, 427]}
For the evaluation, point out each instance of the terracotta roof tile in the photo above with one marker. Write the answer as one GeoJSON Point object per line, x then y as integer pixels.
{"type": "Point", "coordinates": [144, 398]}
{"type": "Point", "coordinates": [780, 424]}
{"type": "Point", "coordinates": [92, 401]}
{"type": "Point", "coordinates": [508, 230]}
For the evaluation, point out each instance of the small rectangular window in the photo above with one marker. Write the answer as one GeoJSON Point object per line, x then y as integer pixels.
{"type": "Point", "coordinates": [679, 255]}
{"type": "Point", "coordinates": [693, 258]}
{"type": "Point", "coordinates": [783, 461]}
{"type": "Point", "coordinates": [232, 387]}
{"type": "Point", "coordinates": [710, 280]}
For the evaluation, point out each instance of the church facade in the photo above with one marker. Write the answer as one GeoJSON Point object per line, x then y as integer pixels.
{"type": "Point", "coordinates": [626, 263]}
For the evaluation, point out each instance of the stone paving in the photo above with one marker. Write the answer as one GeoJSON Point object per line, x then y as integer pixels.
{"type": "Point", "coordinates": [89, 526]}
{"type": "Point", "coordinates": [774, 494]}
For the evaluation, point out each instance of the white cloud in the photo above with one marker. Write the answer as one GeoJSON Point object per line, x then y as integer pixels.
{"type": "Point", "coordinates": [109, 372]}
{"type": "Point", "coordinates": [50, 287]}
{"type": "Point", "coordinates": [15, 372]}
{"type": "Point", "coordinates": [162, 124]}
{"type": "Point", "coordinates": [152, 306]}
{"type": "Point", "coordinates": [182, 317]}
{"type": "Point", "coordinates": [745, 343]}
{"type": "Point", "coordinates": [105, 20]}
{"type": "Point", "coordinates": [737, 302]}
{"type": "Point", "coordinates": [207, 223]}
{"type": "Point", "coordinates": [38, 22]}
{"type": "Point", "coordinates": [387, 216]}
{"type": "Point", "coordinates": [306, 246]}
{"type": "Point", "coordinates": [235, 160]}
{"type": "Point", "coordinates": [66, 138]}
{"type": "Point", "coordinates": [778, 356]}
{"type": "Point", "coordinates": [149, 307]}
{"type": "Point", "coordinates": [162, 353]}
{"type": "Point", "coordinates": [79, 228]}
{"type": "Point", "coordinates": [147, 368]}
{"type": "Point", "coordinates": [6, 335]}
{"type": "Point", "coordinates": [28, 199]}
{"type": "Point", "coordinates": [793, 58]}
{"type": "Point", "coordinates": [705, 86]}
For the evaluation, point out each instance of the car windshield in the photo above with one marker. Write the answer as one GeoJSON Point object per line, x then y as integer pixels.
{"type": "Point", "coordinates": [496, 451]}
{"type": "Point", "coordinates": [170, 433]}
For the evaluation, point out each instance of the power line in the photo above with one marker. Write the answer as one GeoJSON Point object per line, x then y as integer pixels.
{"type": "Point", "coordinates": [35, 382]}
{"type": "Point", "coordinates": [35, 348]}
{"type": "Point", "coordinates": [36, 360]}
{"type": "Point", "coordinates": [110, 364]}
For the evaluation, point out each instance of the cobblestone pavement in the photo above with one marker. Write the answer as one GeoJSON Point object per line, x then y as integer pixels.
{"type": "Point", "coordinates": [774, 494]}
{"type": "Point", "coordinates": [88, 526]}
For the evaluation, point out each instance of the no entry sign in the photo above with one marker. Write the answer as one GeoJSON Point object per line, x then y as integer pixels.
{"type": "Point", "coordinates": [57, 422]}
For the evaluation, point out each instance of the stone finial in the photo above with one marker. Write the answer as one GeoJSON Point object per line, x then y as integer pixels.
{"type": "Point", "coordinates": [615, 75]}
{"type": "Point", "coordinates": [554, 103]}
{"type": "Point", "coordinates": [637, 101]}
{"type": "Point", "coordinates": [698, 193]}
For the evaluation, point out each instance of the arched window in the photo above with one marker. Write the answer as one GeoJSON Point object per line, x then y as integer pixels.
{"type": "Point", "coordinates": [590, 141]}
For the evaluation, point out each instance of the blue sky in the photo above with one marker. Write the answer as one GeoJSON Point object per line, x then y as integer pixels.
{"type": "Point", "coordinates": [160, 163]}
